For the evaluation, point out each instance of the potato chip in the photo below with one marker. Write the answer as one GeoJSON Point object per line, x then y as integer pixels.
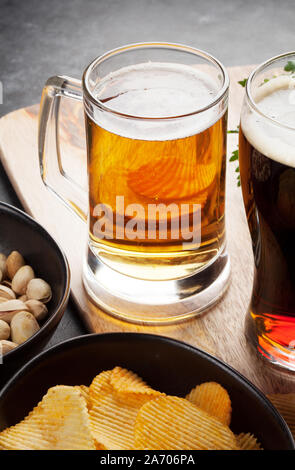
{"type": "Point", "coordinates": [285, 404]}
{"type": "Point", "coordinates": [172, 423]}
{"type": "Point", "coordinates": [113, 414]}
{"type": "Point", "coordinates": [59, 422]}
{"type": "Point", "coordinates": [84, 390]}
{"type": "Point", "coordinates": [119, 411]}
{"type": "Point", "coordinates": [85, 393]}
{"type": "Point", "coordinates": [248, 442]}
{"type": "Point", "coordinates": [99, 385]}
{"type": "Point", "coordinates": [125, 381]}
{"type": "Point", "coordinates": [212, 398]}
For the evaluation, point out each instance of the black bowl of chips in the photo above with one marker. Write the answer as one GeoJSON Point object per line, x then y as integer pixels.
{"type": "Point", "coordinates": [166, 365]}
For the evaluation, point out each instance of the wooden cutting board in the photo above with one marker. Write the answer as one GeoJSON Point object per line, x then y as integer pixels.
{"type": "Point", "coordinates": [221, 330]}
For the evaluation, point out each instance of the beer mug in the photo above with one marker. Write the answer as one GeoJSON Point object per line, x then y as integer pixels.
{"type": "Point", "coordinates": [267, 168]}
{"type": "Point", "coordinates": [156, 121]}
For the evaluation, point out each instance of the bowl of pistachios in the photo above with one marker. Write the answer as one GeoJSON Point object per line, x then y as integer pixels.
{"type": "Point", "coordinates": [34, 288]}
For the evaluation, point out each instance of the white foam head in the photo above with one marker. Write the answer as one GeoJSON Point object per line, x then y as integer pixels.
{"type": "Point", "coordinates": [158, 90]}
{"type": "Point", "coordinates": [275, 99]}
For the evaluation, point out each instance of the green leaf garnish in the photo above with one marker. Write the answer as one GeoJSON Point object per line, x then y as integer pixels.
{"type": "Point", "coordinates": [234, 156]}
{"type": "Point", "coordinates": [290, 66]}
{"type": "Point", "coordinates": [243, 82]}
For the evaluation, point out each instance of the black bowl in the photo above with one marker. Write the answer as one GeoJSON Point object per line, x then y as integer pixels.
{"type": "Point", "coordinates": [22, 233]}
{"type": "Point", "coordinates": [167, 365]}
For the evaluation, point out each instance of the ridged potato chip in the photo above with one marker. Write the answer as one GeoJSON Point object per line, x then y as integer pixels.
{"type": "Point", "coordinates": [125, 381]}
{"type": "Point", "coordinates": [247, 441]}
{"type": "Point", "coordinates": [113, 414]}
{"type": "Point", "coordinates": [212, 398]}
{"type": "Point", "coordinates": [85, 394]}
{"type": "Point", "coordinates": [172, 423]}
{"type": "Point", "coordinates": [59, 422]}
{"type": "Point", "coordinates": [119, 411]}
{"type": "Point", "coordinates": [285, 404]}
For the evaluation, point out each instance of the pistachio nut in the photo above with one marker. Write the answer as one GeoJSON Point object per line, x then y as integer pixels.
{"type": "Point", "coordinates": [6, 346]}
{"type": "Point", "coordinates": [6, 283]}
{"type": "Point", "coordinates": [13, 263]}
{"type": "Point", "coordinates": [38, 289]}
{"type": "Point", "coordinates": [37, 308]}
{"type": "Point", "coordinates": [21, 279]}
{"type": "Point", "coordinates": [23, 298]}
{"type": "Point", "coordinates": [9, 308]}
{"type": "Point", "coordinates": [6, 292]}
{"type": "Point", "coordinates": [3, 265]}
{"type": "Point", "coordinates": [23, 326]}
{"type": "Point", "coordinates": [4, 330]}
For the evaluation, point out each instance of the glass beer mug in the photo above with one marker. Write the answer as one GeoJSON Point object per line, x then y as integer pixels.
{"type": "Point", "coordinates": [267, 167]}
{"type": "Point", "coordinates": [156, 118]}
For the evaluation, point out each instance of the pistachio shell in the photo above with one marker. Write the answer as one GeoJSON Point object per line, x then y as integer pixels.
{"type": "Point", "coordinates": [23, 326]}
{"type": "Point", "coordinates": [6, 292]}
{"type": "Point", "coordinates": [23, 298]}
{"type": "Point", "coordinates": [22, 279]}
{"type": "Point", "coordinates": [6, 346]}
{"type": "Point", "coordinates": [13, 304]}
{"type": "Point", "coordinates": [10, 308]}
{"type": "Point", "coordinates": [3, 264]}
{"type": "Point", "coordinates": [6, 283]}
{"type": "Point", "coordinates": [13, 263]}
{"type": "Point", "coordinates": [37, 308]}
{"type": "Point", "coordinates": [4, 330]}
{"type": "Point", "coordinates": [38, 289]}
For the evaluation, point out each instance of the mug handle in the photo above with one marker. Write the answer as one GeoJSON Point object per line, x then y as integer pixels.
{"type": "Point", "coordinates": [52, 173]}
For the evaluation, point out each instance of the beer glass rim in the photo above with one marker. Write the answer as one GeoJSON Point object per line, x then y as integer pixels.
{"type": "Point", "coordinates": [160, 45]}
{"type": "Point", "coordinates": [252, 76]}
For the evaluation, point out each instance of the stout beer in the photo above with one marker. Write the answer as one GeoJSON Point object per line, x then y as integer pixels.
{"type": "Point", "coordinates": [267, 167]}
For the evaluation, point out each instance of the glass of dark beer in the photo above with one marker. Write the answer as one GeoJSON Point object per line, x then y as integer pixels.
{"type": "Point", "coordinates": [267, 168]}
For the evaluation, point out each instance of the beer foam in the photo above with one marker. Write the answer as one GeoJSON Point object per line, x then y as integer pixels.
{"type": "Point", "coordinates": [158, 90]}
{"type": "Point", "coordinates": [275, 99]}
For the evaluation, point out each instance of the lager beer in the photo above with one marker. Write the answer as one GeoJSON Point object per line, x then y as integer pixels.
{"type": "Point", "coordinates": [172, 176]}
{"type": "Point", "coordinates": [156, 119]}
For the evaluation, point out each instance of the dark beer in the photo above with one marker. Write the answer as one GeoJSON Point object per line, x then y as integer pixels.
{"type": "Point", "coordinates": [267, 167]}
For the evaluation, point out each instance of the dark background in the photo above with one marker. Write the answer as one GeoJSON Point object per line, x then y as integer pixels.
{"type": "Point", "coordinates": [41, 38]}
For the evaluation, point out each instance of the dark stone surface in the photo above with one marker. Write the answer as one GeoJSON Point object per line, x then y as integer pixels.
{"type": "Point", "coordinates": [41, 38]}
